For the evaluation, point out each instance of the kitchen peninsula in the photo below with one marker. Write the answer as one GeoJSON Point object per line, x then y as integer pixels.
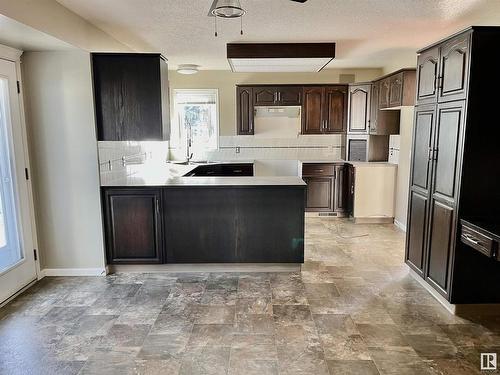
{"type": "Point", "coordinates": [153, 215]}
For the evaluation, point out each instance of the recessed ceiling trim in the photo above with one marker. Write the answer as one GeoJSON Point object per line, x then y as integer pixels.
{"type": "Point", "coordinates": [319, 55]}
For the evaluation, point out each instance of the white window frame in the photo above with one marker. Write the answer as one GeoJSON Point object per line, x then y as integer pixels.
{"type": "Point", "coordinates": [175, 119]}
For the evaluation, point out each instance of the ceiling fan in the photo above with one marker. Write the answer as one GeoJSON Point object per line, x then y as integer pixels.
{"type": "Point", "coordinates": [230, 8]}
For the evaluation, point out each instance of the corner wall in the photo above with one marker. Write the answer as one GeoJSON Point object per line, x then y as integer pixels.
{"type": "Point", "coordinates": [63, 154]}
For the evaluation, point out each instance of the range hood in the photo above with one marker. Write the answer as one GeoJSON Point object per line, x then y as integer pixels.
{"type": "Point", "coordinates": [279, 57]}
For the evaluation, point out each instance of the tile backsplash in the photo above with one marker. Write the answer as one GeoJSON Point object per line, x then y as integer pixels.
{"type": "Point", "coordinates": [116, 155]}
{"type": "Point", "coordinates": [302, 147]}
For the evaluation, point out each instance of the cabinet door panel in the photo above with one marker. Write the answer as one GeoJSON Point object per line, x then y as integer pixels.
{"type": "Point", "coordinates": [319, 195]}
{"type": "Point", "coordinates": [396, 90]}
{"type": "Point", "coordinates": [374, 107]}
{"type": "Point", "coordinates": [454, 68]}
{"type": "Point", "coordinates": [440, 244]}
{"type": "Point", "coordinates": [244, 109]}
{"type": "Point", "coordinates": [133, 226]}
{"type": "Point", "coordinates": [335, 109]}
{"type": "Point", "coordinates": [417, 231]}
{"type": "Point", "coordinates": [127, 91]}
{"type": "Point", "coordinates": [341, 189]}
{"type": "Point", "coordinates": [359, 102]}
{"type": "Point", "coordinates": [312, 113]}
{"type": "Point", "coordinates": [290, 95]}
{"type": "Point", "coordinates": [265, 95]}
{"type": "Point", "coordinates": [427, 74]}
{"type": "Point", "coordinates": [422, 147]}
{"type": "Point", "coordinates": [448, 130]}
{"type": "Point", "coordinates": [384, 92]}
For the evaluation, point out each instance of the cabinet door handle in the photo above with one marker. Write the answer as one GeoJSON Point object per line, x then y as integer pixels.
{"type": "Point", "coordinates": [279, 96]}
{"type": "Point", "coordinates": [157, 206]}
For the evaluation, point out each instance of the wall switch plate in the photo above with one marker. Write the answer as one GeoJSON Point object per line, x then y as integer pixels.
{"type": "Point", "coordinates": [237, 150]}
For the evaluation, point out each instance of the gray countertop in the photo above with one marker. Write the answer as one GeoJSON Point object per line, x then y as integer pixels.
{"type": "Point", "coordinates": [165, 174]}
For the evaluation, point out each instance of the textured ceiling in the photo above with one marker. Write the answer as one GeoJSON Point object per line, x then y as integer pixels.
{"type": "Point", "coordinates": [369, 33]}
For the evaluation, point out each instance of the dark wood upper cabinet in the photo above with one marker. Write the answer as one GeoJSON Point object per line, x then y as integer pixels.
{"type": "Point", "coordinates": [283, 95]}
{"type": "Point", "coordinates": [133, 225]}
{"type": "Point", "coordinates": [374, 110]}
{"type": "Point", "coordinates": [265, 96]}
{"type": "Point", "coordinates": [335, 107]}
{"type": "Point", "coordinates": [396, 90]}
{"type": "Point", "coordinates": [454, 147]}
{"type": "Point", "coordinates": [384, 93]}
{"type": "Point", "coordinates": [312, 110]}
{"type": "Point", "coordinates": [359, 108]}
{"type": "Point", "coordinates": [131, 97]}
{"type": "Point", "coordinates": [454, 66]}
{"type": "Point", "coordinates": [244, 110]}
{"type": "Point", "coordinates": [290, 95]}
{"type": "Point", "coordinates": [324, 109]}
{"type": "Point", "coordinates": [427, 76]}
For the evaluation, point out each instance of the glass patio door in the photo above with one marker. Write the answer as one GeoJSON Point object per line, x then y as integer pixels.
{"type": "Point", "coordinates": [17, 264]}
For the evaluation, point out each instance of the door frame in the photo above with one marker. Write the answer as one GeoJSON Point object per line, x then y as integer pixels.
{"type": "Point", "coordinates": [14, 55]}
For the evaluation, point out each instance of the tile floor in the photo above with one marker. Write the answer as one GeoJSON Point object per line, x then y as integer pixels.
{"type": "Point", "coordinates": [352, 310]}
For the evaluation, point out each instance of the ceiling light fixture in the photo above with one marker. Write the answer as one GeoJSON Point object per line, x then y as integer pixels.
{"type": "Point", "coordinates": [227, 9]}
{"type": "Point", "coordinates": [187, 69]}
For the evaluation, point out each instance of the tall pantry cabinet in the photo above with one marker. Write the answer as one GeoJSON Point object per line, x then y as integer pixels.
{"type": "Point", "coordinates": [455, 161]}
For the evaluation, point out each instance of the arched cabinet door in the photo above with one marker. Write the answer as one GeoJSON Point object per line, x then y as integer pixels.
{"type": "Point", "coordinates": [454, 69]}
{"type": "Point", "coordinates": [427, 76]}
{"type": "Point", "coordinates": [359, 111]}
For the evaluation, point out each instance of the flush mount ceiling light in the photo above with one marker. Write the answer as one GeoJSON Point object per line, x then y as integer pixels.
{"type": "Point", "coordinates": [227, 9]}
{"type": "Point", "coordinates": [187, 69]}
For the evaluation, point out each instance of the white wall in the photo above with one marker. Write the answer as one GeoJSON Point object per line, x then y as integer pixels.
{"type": "Point", "coordinates": [63, 153]}
{"type": "Point", "coordinates": [403, 177]}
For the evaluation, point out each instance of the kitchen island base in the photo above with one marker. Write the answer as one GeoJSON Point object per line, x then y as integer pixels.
{"type": "Point", "coordinates": [204, 224]}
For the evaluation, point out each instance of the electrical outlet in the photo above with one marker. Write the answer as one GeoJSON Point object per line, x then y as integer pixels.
{"type": "Point", "coordinates": [237, 150]}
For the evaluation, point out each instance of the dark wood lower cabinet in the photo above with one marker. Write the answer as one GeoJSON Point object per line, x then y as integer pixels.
{"type": "Point", "coordinates": [133, 225]}
{"type": "Point", "coordinates": [234, 224]}
{"type": "Point", "coordinates": [340, 201]}
{"type": "Point", "coordinates": [319, 193]}
{"type": "Point", "coordinates": [440, 246]}
{"type": "Point", "coordinates": [416, 235]}
{"type": "Point", "coordinates": [204, 224]}
{"type": "Point", "coordinates": [327, 187]}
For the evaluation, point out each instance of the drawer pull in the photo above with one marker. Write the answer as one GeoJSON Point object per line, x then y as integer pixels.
{"type": "Point", "coordinates": [319, 170]}
{"type": "Point", "coordinates": [471, 239]}
{"type": "Point", "coordinates": [237, 171]}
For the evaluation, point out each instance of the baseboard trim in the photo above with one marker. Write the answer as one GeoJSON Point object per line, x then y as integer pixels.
{"type": "Point", "coordinates": [400, 225]}
{"type": "Point", "coordinates": [212, 267]}
{"type": "Point", "coordinates": [448, 306]}
{"type": "Point", "coordinates": [73, 272]}
{"type": "Point", "coordinates": [374, 220]}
